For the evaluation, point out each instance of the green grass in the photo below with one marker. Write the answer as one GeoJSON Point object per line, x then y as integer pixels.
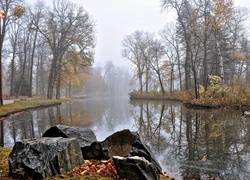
{"type": "Point", "coordinates": [4, 167]}
{"type": "Point", "coordinates": [22, 105]}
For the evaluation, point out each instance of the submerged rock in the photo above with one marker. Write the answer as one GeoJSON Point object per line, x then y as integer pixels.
{"type": "Point", "coordinates": [44, 157]}
{"type": "Point", "coordinates": [135, 168]}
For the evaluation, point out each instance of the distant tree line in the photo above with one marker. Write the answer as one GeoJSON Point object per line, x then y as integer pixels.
{"type": "Point", "coordinates": [208, 37]}
{"type": "Point", "coordinates": [47, 50]}
{"type": "Point", "coordinates": [108, 80]}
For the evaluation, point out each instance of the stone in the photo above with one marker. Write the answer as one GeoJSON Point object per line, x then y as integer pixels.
{"type": "Point", "coordinates": [84, 136]}
{"type": "Point", "coordinates": [126, 143]}
{"type": "Point", "coordinates": [95, 151]}
{"type": "Point", "coordinates": [44, 157]}
{"type": "Point", "coordinates": [143, 150]}
{"type": "Point", "coordinates": [62, 148]}
{"type": "Point", "coordinates": [135, 168]}
{"type": "Point", "coordinates": [120, 143]}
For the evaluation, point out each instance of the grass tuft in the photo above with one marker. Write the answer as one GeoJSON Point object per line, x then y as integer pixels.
{"type": "Point", "coordinates": [4, 166]}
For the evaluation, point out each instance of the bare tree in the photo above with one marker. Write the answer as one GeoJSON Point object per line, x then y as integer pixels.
{"type": "Point", "coordinates": [173, 53]}
{"type": "Point", "coordinates": [14, 34]}
{"type": "Point", "coordinates": [153, 54]}
{"type": "Point", "coordinates": [35, 18]}
{"type": "Point", "coordinates": [8, 7]}
{"type": "Point", "coordinates": [132, 51]}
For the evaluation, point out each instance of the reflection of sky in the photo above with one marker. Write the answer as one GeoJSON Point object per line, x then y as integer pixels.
{"type": "Point", "coordinates": [106, 116]}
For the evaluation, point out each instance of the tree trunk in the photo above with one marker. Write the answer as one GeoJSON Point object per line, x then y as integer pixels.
{"type": "Point", "coordinates": [37, 75]}
{"type": "Point", "coordinates": [51, 80]}
{"type": "Point", "coordinates": [187, 66]}
{"type": "Point", "coordinates": [58, 87]}
{"type": "Point", "coordinates": [13, 66]}
{"type": "Point", "coordinates": [147, 75]}
{"type": "Point", "coordinates": [161, 83]}
{"type": "Point", "coordinates": [58, 81]}
{"type": "Point", "coordinates": [31, 63]}
{"type": "Point", "coordinates": [69, 89]}
{"type": "Point", "coordinates": [12, 73]}
{"type": "Point", "coordinates": [140, 79]}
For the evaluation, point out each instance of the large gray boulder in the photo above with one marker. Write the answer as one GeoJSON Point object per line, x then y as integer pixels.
{"type": "Point", "coordinates": [44, 157]}
{"type": "Point", "coordinates": [135, 168]}
{"type": "Point", "coordinates": [126, 143]}
{"type": "Point", "coordinates": [91, 149]}
{"type": "Point", "coordinates": [84, 136]}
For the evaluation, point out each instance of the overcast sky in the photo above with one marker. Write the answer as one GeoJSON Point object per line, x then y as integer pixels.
{"type": "Point", "coordinates": [117, 18]}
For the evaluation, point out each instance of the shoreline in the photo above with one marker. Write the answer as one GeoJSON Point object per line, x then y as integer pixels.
{"type": "Point", "coordinates": [22, 105]}
{"type": "Point", "coordinates": [193, 103]}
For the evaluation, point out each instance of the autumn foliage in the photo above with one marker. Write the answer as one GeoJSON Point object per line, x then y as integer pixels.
{"type": "Point", "coordinates": [99, 169]}
{"type": "Point", "coordinates": [104, 168]}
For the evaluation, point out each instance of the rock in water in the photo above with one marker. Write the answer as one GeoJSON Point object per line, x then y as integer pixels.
{"type": "Point", "coordinates": [44, 157]}
{"type": "Point", "coordinates": [84, 136]}
{"type": "Point", "coordinates": [135, 168]}
{"type": "Point", "coordinates": [126, 143]}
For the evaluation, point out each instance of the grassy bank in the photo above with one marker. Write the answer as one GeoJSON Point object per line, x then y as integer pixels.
{"type": "Point", "coordinates": [234, 97]}
{"type": "Point", "coordinates": [156, 96]}
{"type": "Point", "coordinates": [21, 105]}
{"type": "Point", "coordinates": [4, 167]}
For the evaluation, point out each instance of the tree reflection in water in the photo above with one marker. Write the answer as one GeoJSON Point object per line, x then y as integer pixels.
{"type": "Point", "coordinates": [191, 144]}
{"type": "Point", "coordinates": [196, 144]}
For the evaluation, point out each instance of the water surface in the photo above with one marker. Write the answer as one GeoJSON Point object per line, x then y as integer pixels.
{"type": "Point", "coordinates": [197, 144]}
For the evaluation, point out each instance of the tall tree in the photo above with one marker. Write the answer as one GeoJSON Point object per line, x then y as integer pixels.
{"type": "Point", "coordinates": [132, 45]}
{"type": "Point", "coordinates": [185, 19]}
{"type": "Point", "coordinates": [173, 53]}
{"type": "Point", "coordinates": [12, 9]}
{"type": "Point", "coordinates": [153, 54]}
{"type": "Point", "coordinates": [35, 18]}
{"type": "Point", "coordinates": [14, 35]}
{"type": "Point", "coordinates": [66, 27]}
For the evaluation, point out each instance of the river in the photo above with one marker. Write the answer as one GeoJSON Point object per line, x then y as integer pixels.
{"type": "Point", "coordinates": [188, 143]}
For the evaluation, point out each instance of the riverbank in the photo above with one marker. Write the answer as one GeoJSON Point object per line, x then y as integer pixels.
{"type": "Point", "coordinates": [229, 100]}
{"type": "Point", "coordinates": [155, 96]}
{"type": "Point", "coordinates": [19, 105]}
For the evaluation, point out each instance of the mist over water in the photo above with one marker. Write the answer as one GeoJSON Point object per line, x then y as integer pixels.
{"type": "Point", "coordinates": [188, 143]}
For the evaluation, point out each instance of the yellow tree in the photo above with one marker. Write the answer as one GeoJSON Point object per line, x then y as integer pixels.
{"type": "Point", "coordinates": [75, 71]}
